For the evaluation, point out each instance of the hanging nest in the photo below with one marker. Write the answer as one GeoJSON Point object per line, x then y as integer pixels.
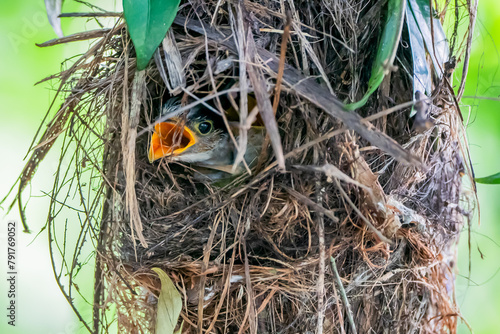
{"type": "Point", "coordinates": [350, 218]}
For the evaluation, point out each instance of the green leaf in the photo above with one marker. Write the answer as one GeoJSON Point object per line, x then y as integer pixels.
{"type": "Point", "coordinates": [148, 21]}
{"type": "Point", "coordinates": [492, 179]}
{"type": "Point", "coordinates": [387, 48]}
{"type": "Point", "coordinates": [169, 305]}
{"type": "Point", "coordinates": [436, 42]}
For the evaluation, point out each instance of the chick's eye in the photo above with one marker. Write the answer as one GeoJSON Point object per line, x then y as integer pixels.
{"type": "Point", "coordinates": [205, 127]}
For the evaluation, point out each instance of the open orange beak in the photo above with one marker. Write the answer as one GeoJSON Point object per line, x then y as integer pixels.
{"type": "Point", "coordinates": [169, 139]}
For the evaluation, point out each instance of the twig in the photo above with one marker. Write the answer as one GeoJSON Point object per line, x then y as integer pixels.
{"type": "Point", "coordinates": [173, 62]}
{"type": "Point", "coordinates": [81, 36]}
{"type": "Point", "coordinates": [203, 277]}
{"type": "Point", "coordinates": [320, 287]}
{"type": "Point", "coordinates": [281, 69]}
{"type": "Point", "coordinates": [130, 121]}
{"type": "Point", "coordinates": [240, 29]}
{"type": "Point", "coordinates": [105, 14]}
{"type": "Point", "coordinates": [343, 295]}
{"type": "Point", "coordinates": [266, 110]}
{"type": "Point", "coordinates": [277, 87]}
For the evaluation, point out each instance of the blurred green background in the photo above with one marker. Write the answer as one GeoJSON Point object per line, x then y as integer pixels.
{"type": "Point", "coordinates": [41, 306]}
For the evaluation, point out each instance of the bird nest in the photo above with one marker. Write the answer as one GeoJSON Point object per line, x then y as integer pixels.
{"type": "Point", "coordinates": [348, 220]}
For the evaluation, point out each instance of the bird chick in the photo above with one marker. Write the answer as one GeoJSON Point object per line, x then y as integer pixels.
{"type": "Point", "coordinates": [200, 137]}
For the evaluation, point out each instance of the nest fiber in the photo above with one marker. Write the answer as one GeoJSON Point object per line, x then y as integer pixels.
{"type": "Point", "coordinates": [348, 221]}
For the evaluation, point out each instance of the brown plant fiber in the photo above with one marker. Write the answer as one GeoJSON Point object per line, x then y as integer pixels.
{"type": "Point", "coordinates": [369, 192]}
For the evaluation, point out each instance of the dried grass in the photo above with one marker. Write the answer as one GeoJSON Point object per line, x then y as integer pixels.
{"type": "Point", "coordinates": [254, 255]}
